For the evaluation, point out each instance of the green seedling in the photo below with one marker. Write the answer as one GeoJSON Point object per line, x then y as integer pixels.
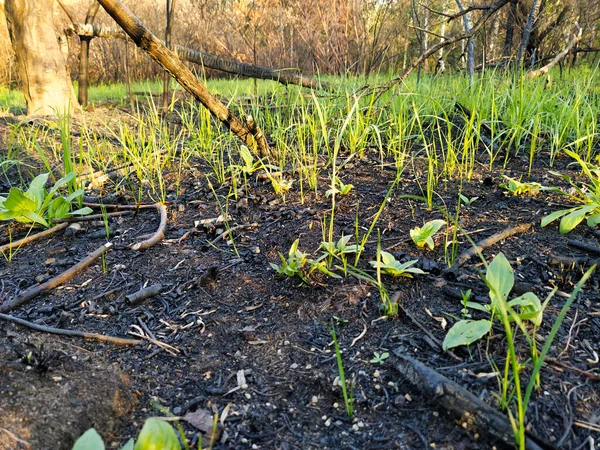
{"type": "Point", "coordinates": [379, 358]}
{"type": "Point", "coordinates": [466, 200]}
{"type": "Point", "coordinates": [341, 247]}
{"type": "Point", "coordinates": [38, 205]}
{"type": "Point", "coordinates": [155, 434]}
{"type": "Point", "coordinates": [294, 264]}
{"type": "Point", "coordinates": [465, 301]}
{"type": "Point", "coordinates": [390, 266]}
{"type": "Point", "coordinates": [338, 188]}
{"type": "Point", "coordinates": [519, 188]}
{"type": "Point", "coordinates": [588, 197]}
{"type": "Point", "coordinates": [423, 236]}
{"type": "Point", "coordinates": [500, 275]}
{"type": "Point", "coordinates": [348, 395]}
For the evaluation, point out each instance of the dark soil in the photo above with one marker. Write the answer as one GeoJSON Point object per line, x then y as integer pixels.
{"type": "Point", "coordinates": [225, 310]}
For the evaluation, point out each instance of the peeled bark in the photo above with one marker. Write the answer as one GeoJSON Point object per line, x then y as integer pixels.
{"type": "Point", "coordinates": [41, 66]}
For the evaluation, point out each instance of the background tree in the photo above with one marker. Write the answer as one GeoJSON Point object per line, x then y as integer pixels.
{"type": "Point", "coordinates": [40, 63]}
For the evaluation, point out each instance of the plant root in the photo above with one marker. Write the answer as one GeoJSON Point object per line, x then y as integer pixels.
{"type": "Point", "coordinates": [160, 233]}
{"type": "Point", "coordinates": [33, 237]}
{"type": "Point", "coordinates": [67, 275]}
{"type": "Point", "coordinates": [473, 413]}
{"type": "Point", "coordinates": [76, 333]}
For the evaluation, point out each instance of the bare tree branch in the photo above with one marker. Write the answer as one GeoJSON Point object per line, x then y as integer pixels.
{"type": "Point", "coordinates": [544, 70]}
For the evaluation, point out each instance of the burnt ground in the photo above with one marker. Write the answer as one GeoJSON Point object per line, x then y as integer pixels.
{"type": "Point", "coordinates": [223, 310]}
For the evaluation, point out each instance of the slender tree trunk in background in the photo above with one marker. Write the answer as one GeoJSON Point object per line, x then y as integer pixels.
{"type": "Point", "coordinates": [166, 77]}
{"type": "Point", "coordinates": [250, 134]}
{"type": "Point", "coordinates": [41, 65]}
{"type": "Point", "coordinates": [531, 18]}
{"type": "Point", "coordinates": [510, 28]}
{"type": "Point", "coordinates": [84, 57]}
{"type": "Point", "coordinates": [470, 43]}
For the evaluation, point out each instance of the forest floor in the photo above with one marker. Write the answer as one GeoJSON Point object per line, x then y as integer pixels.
{"type": "Point", "coordinates": [256, 347]}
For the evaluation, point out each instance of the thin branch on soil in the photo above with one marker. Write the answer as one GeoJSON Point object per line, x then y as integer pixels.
{"type": "Point", "coordinates": [33, 237]}
{"type": "Point", "coordinates": [160, 233]}
{"type": "Point", "coordinates": [488, 242]}
{"type": "Point", "coordinates": [590, 375]}
{"type": "Point", "coordinates": [436, 341]}
{"type": "Point", "coordinates": [588, 248]}
{"type": "Point", "coordinates": [559, 260]}
{"type": "Point", "coordinates": [144, 293]}
{"type": "Point", "coordinates": [472, 412]}
{"type": "Point", "coordinates": [15, 438]}
{"type": "Point", "coordinates": [76, 333]}
{"type": "Point", "coordinates": [67, 275]}
{"type": "Point", "coordinates": [168, 348]}
{"type": "Point", "coordinates": [94, 217]}
{"type": "Point", "coordinates": [117, 206]}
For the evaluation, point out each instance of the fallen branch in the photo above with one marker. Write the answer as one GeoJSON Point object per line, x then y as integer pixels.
{"type": "Point", "coordinates": [472, 412]}
{"type": "Point", "coordinates": [283, 76]}
{"type": "Point", "coordinates": [544, 70]}
{"type": "Point", "coordinates": [76, 333]}
{"type": "Point", "coordinates": [488, 242]}
{"type": "Point", "coordinates": [148, 42]}
{"type": "Point", "coordinates": [588, 248]}
{"type": "Point", "coordinates": [117, 206]}
{"type": "Point", "coordinates": [94, 217]}
{"type": "Point", "coordinates": [33, 237]}
{"type": "Point", "coordinates": [67, 275]}
{"type": "Point", "coordinates": [160, 233]}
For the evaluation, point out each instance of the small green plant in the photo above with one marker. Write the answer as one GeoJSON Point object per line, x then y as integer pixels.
{"type": "Point", "coordinates": [338, 187]}
{"type": "Point", "coordinates": [389, 266]}
{"type": "Point", "coordinates": [519, 188]}
{"type": "Point", "coordinates": [465, 301]}
{"type": "Point", "coordinates": [348, 395]}
{"type": "Point", "coordinates": [423, 236]}
{"type": "Point", "coordinates": [466, 200]}
{"type": "Point", "coordinates": [294, 264]}
{"type": "Point", "coordinates": [588, 196]}
{"type": "Point", "coordinates": [38, 205]}
{"type": "Point", "coordinates": [379, 358]}
{"type": "Point", "coordinates": [156, 434]}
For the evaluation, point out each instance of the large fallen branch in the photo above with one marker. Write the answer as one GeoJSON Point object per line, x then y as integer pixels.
{"type": "Point", "coordinates": [34, 291]}
{"type": "Point", "coordinates": [144, 39]}
{"type": "Point", "coordinates": [77, 333]}
{"type": "Point", "coordinates": [544, 70]}
{"type": "Point", "coordinates": [284, 76]}
{"type": "Point", "coordinates": [160, 232]}
{"type": "Point", "coordinates": [473, 413]}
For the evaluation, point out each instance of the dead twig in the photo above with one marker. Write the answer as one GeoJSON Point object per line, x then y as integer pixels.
{"type": "Point", "coordinates": [231, 230]}
{"type": "Point", "coordinates": [15, 438]}
{"type": "Point", "coordinates": [488, 242]}
{"type": "Point", "coordinates": [160, 233]}
{"type": "Point", "coordinates": [472, 412]}
{"type": "Point", "coordinates": [33, 237]}
{"type": "Point", "coordinates": [144, 293]}
{"type": "Point", "coordinates": [94, 217]}
{"type": "Point", "coordinates": [76, 333]}
{"type": "Point", "coordinates": [67, 275]}
{"type": "Point", "coordinates": [117, 206]}
{"type": "Point", "coordinates": [544, 70]}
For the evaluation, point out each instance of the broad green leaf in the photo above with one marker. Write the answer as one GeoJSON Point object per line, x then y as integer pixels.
{"type": "Point", "coordinates": [82, 212]}
{"type": "Point", "coordinates": [555, 215]}
{"type": "Point", "coordinates": [465, 332]}
{"type": "Point", "coordinates": [499, 278]}
{"type": "Point", "coordinates": [17, 201]}
{"type": "Point", "coordinates": [128, 445]}
{"type": "Point", "coordinates": [593, 220]}
{"type": "Point", "coordinates": [58, 209]}
{"type": "Point", "coordinates": [37, 190]}
{"type": "Point", "coordinates": [574, 218]}
{"type": "Point", "coordinates": [90, 440]}
{"type": "Point", "coordinates": [387, 258]}
{"type": "Point", "coordinates": [478, 306]}
{"type": "Point", "coordinates": [36, 218]}
{"type": "Point", "coordinates": [74, 195]}
{"type": "Point", "coordinates": [157, 434]}
{"type": "Point", "coordinates": [530, 307]}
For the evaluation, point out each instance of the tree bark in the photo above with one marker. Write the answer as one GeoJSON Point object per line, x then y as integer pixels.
{"type": "Point", "coordinates": [144, 39]}
{"type": "Point", "coordinates": [531, 19]}
{"type": "Point", "coordinates": [170, 7]}
{"type": "Point", "coordinates": [510, 28]}
{"type": "Point", "coordinates": [41, 66]}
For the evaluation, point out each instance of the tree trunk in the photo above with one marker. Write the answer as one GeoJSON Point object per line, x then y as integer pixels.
{"type": "Point", "coordinates": [84, 57]}
{"type": "Point", "coordinates": [533, 14]}
{"type": "Point", "coordinates": [510, 28]}
{"type": "Point", "coordinates": [165, 100]}
{"type": "Point", "coordinates": [41, 65]}
{"type": "Point", "coordinates": [250, 135]}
